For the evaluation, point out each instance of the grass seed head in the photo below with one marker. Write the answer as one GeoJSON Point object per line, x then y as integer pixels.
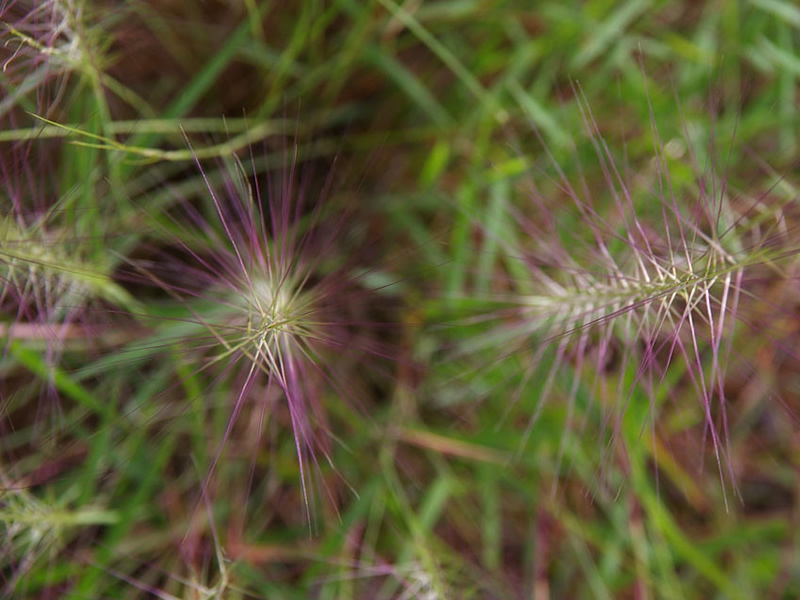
{"type": "Point", "coordinates": [627, 283]}
{"type": "Point", "coordinates": [266, 295]}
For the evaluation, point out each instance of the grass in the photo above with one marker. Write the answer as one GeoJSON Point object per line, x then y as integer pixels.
{"type": "Point", "coordinates": [389, 299]}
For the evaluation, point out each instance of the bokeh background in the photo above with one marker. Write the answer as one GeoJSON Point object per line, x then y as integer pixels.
{"type": "Point", "coordinates": [555, 246]}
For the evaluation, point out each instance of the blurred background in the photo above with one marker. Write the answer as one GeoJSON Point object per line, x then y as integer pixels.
{"type": "Point", "coordinates": [549, 254]}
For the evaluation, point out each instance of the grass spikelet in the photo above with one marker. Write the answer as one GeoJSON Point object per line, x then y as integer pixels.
{"type": "Point", "coordinates": [43, 44]}
{"type": "Point", "coordinates": [31, 530]}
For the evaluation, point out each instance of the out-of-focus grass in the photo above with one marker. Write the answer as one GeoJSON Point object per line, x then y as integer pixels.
{"type": "Point", "coordinates": [441, 485]}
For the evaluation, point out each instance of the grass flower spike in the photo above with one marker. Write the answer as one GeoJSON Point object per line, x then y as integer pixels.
{"type": "Point", "coordinates": [267, 297]}
{"type": "Point", "coordinates": [630, 288]}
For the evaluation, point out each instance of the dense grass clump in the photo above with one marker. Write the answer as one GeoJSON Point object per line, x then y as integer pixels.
{"type": "Point", "coordinates": [398, 300]}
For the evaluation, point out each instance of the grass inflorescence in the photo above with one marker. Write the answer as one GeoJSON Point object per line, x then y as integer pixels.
{"type": "Point", "coordinates": [621, 288]}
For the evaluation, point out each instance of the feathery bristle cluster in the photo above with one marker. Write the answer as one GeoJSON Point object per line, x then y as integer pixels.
{"type": "Point", "coordinates": [276, 313]}
{"type": "Point", "coordinates": [38, 272]}
{"type": "Point", "coordinates": [264, 294]}
{"type": "Point", "coordinates": [654, 277]}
